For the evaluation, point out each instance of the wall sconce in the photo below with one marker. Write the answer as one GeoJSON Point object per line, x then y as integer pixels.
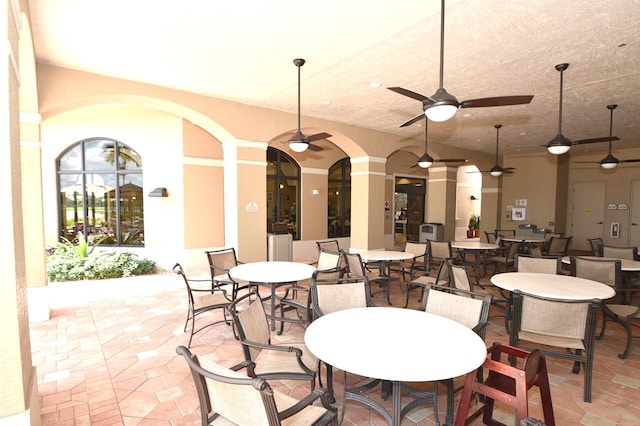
{"type": "Point", "coordinates": [159, 192]}
{"type": "Point", "coordinates": [316, 192]}
{"type": "Point", "coordinates": [473, 198]}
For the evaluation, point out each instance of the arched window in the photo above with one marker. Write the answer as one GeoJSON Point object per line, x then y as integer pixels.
{"type": "Point", "coordinates": [339, 195]}
{"type": "Point", "coordinates": [283, 192]}
{"type": "Point", "coordinates": [100, 193]}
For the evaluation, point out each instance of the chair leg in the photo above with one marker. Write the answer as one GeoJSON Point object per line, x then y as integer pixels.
{"type": "Point", "coordinates": [627, 348]}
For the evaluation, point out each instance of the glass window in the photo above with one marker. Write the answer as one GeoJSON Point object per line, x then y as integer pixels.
{"type": "Point", "coordinates": [283, 192]}
{"type": "Point", "coordinates": [99, 196]}
{"type": "Point", "coordinates": [339, 194]}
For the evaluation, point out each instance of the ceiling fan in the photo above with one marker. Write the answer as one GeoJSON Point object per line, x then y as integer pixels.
{"type": "Point", "coordinates": [426, 160]}
{"type": "Point", "coordinates": [497, 170]}
{"type": "Point", "coordinates": [299, 142]}
{"type": "Point", "coordinates": [611, 162]}
{"type": "Point", "coordinates": [441, 106]}
{"type": "Point", "coordinates": [560, 144]}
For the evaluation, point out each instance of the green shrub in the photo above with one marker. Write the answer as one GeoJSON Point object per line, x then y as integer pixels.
{"type": "Point", "coordinates": [71, 262]}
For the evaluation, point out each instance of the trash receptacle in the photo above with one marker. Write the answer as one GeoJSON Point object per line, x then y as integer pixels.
{"type": "Point", "coordinates": [431, 231]}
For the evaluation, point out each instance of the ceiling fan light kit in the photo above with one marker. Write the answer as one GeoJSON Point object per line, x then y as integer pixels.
{"type": "Point", "coordinates": [425, 161]}
{"type": "Point", "coordinates": [609, 162]}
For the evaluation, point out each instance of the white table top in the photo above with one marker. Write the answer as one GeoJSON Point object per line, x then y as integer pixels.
{"type": "Point", "coordinates": [553, 286]}
{"type": "Point", "coordinates": [272, 272]}
{"type": "Point", "coordinates": [626, 265]}
{"type": "Point", "coordinates": [474, 245]}
{"type": "Point", "coordinates": [395, 344]}
{"type": "Point", "coordinates": [386, 255]}
{"type": "Point", "coordinates": [525, 239]}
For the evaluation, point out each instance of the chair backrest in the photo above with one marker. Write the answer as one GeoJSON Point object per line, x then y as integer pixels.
{"type": "Point", "coordinates": [220, 261]}
{"type": "Point", "coordinates": [328, 245]}
{"type": "Point", "coordinates": [551, 321]}
{"type": "Point", "coordinates": [535, 251]}
{"type": "Point", "coordinates": [330, 294]}
{"type": "Point", "coordinates": [355, 265]}
{"type": "Point", "coordinates": [491, 237]}
{"type": "Point", "coordinates": [505, 232]}
{"type": "Point", "coordinates": [199, 284]}
{"type": "Point", "coordinates": [542, 264]}
{"type": "Point", "coordinates": [439, 249]}
{"type": "Point", "coordinates": [251, 324]}
{"type": "Point", "coordinates": [416, 249]}
{"type": "Point", "coordinates": [328, 260]}
{"type": "Point", "coordinates": [466, 307]}
{"type": "Point", "coordinates": [236, 397]}
{"type": "Point", "coordinates": [460, 276]}
{"type": "Point", "coordinates": [629, 253]}
{"type": "Point", "coordinates": [605, 271]}
{"type": "Point", "coordinates": [596, 245]}
{"type": "Point", "coordinates": [558, 246]}
{"type": "Point", "coordinates": [512, 252]}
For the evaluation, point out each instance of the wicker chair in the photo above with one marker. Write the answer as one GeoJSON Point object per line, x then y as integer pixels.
{"type": "Point", "coordinates": [248, 400]}
{"type": "Point", "coordinates": [442, 279]}
{"type": "Point", "coordinates": [542, 264]}
{"type": "Point", "coordinates": [203, 296]}
{"type": "Point", "coordinates": [547, 324]}
{"type": "Point", "coordinates": [279, 362]}
{"type": "Point", "coordinates": [469, 308]}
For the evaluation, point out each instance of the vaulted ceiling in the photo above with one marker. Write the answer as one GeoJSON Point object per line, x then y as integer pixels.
{"type": "Point", "coordinates": [243, 51]}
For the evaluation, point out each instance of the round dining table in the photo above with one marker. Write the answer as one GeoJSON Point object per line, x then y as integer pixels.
{"type": "Point", "coordinates": [396, 345]}
{"type": "Point", "coordinates": [555, 286]}
{"type": "Point", "coordinates": [272, 274]}
{"type": "Point", "coordinates": [475, 247]}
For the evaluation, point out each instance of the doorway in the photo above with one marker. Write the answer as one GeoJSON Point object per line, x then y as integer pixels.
{"type": "Point", "coordinates": [408, 208]}
{"type": "Point", "coordinates": [587, 216]}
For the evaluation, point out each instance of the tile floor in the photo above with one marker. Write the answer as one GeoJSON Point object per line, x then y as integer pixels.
{"type": "Point", "coordinates": [107, 357]}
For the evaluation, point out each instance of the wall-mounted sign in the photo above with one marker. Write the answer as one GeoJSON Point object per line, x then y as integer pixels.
{"type": "Point", "coordinates": [623, 206]}
{"type": "Point", "coordinates": [612, 206]}
{"type": "Point", "coordinates": [615, 230]}
{"type": "Point", "coordinates": [521, 202]}
{"type": "Point", "coordinates": [252, 206]}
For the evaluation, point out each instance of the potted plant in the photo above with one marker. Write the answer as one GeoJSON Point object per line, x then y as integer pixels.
{"type": "Point", "coordinates": [474, 226]}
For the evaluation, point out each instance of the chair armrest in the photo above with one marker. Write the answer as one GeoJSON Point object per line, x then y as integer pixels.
{"type": "Point", "coordinates": [320, 393]}
{"type": "Point", "coordinates": [249, 365]}
{"type": "Point", "coordinates": [278, 348]}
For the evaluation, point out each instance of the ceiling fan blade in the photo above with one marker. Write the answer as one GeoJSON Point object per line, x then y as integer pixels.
{"type": "Point", "coordinates": [409, 93]}
{"type": "Point", "coordinates": [413, 120]}
{"type": "Point", "coordinates": [496, 101]}
{"type": "Point", "coordinates": [635, 160]}
{"type": "Point", "coordinates": [318, 136]}
{"type": "Point", "coordinates": [450, 160]}
{"type": "Point", "coordinates": [595, 140]}
{"type": "Point", "coordinates": [507, 172]}
{"type": "Point", "coordinates": [588, 162]}
{"type": "Point", "coordinates": [316, 148]}
{"type": "Point", "coordinates": [508, 168]}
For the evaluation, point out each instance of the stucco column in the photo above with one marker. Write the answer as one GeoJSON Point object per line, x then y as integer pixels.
{"type": "Point", "coordinates": [441, 199]}
{"type": "Point", "coordinates": [367, 202]}
{"type": "Point", "coordinates": [491, 199]}
{"type": "Point", "coordinates": [18, 393]}
{"type": "Point", "coordinates": [245, 199]}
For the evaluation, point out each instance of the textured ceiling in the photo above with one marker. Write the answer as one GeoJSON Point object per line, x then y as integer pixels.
{"type": "Point", "coordinates": [242, 50]}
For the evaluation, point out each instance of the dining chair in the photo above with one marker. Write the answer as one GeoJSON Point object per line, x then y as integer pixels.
{"type": "Point", "coordinates": [442, 278]}
{"type": "Point", "coordinates": [357, 268]}
{"type": "Point", "coordinates": [535, 250]}
{"type": "Point", "coordinates": [245, 399]}
{"type": "Point", "coordinates": [560, 328]}
{"type": "Point", "coordinates": [461, 280]}
{"type": "Point", "coordinates": [220, 261]}
{"type": "Point", "coordinates": [470, 309]}
{"type": "Point", "coordinates": [438, 251]}
{"type": "Point", "coordinates": [328, 245]}
{"type": "Point", "coordinates": [557, 246]}
{"type": "Point", "coordinates": [629, 253]}
{"type": "Point", "coordinates": [491, 237]}
{"type": "Point", "coordinates": [508, 259]}
{"type": "Point", "coordinates": [278, 362]}
{"type": "Point", "coordinates": [596, 245]}
{"type": "Point", "coordinates": [625, 312]}
{"type": "Point", "coordinates": [331, 294]}
{"type": "Point", "coordinates": [416, 265]}
{"type": "Point", "coordinates": [540, 264]}
{"type": "Point", "coordinates": [203, 295]}
{"type": "Point", "coordinates": [509, 233]}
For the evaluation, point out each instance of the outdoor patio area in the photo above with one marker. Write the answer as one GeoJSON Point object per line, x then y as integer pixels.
{"type": "Point", "coordinates": [107, 357]}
